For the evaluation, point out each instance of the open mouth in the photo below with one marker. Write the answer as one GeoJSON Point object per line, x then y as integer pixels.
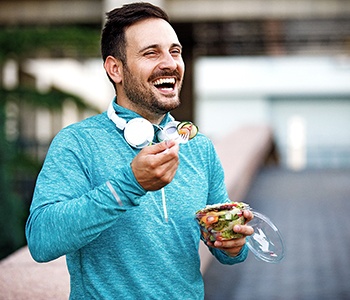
{"type": "Point", "coordinates": [165, 84]}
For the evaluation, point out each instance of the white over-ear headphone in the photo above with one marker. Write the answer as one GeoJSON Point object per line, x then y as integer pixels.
{"type": "Point", "coordinates": [139, 132]}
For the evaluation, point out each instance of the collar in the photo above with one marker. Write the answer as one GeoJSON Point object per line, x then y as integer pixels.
{"type": "Point", "coordinates": [124, 115]}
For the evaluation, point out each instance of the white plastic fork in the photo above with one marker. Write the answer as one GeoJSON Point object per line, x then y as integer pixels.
{"type": "Point", "coordinates": [184, 137]}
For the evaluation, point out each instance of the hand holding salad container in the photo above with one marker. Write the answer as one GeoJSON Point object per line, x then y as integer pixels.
{"type": "Point", "coordinates": [217, 221]}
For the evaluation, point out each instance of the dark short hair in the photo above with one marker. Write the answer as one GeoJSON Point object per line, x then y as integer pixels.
{"type": "Point", "coordinates": [113, 34]}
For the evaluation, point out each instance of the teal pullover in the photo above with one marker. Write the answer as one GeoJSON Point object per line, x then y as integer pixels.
{"type": "Point", "coordinates": [88, 206]}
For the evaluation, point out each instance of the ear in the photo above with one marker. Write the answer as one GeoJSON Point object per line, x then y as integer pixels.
{"type": "Point", "coordinates": [114, 69]}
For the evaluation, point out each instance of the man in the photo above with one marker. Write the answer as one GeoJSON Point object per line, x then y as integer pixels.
{"type": "Point", "coordinates": [122, 215]}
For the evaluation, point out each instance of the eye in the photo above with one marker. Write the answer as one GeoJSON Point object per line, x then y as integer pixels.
{"type": "Point", "coordinates": [176, 52]}
{"type": "Point", "coordinates": [151, 54]}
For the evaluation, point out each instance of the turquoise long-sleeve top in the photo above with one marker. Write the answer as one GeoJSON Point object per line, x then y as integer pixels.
{"type": "Point", "coordinates": [88, 206]}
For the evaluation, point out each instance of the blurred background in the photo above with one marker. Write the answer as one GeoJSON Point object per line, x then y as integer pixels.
{"type": "Point", "coordinates": [284, 63]}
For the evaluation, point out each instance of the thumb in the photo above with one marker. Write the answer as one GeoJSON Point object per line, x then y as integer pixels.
{"type": "Point", "coordinates": [158, 148]}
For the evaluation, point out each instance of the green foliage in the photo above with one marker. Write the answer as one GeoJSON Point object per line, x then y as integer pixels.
{"type": "Point", "coordinates": [17, 167]}
{"type": "Point", "coordinates": [25, 42]}
{"type": "Point", "coordinates": [52, 99]}
{"type": "Point", "coordinates": [11, 206]}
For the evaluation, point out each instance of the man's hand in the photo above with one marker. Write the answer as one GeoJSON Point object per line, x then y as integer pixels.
{"type": "Point", "coordinates": [234, 246]}
{"type": "Point", "coordinates": [156, 165]}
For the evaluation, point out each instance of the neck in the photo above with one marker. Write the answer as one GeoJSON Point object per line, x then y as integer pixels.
{"type": "Point", "coordinates": [152, 117]}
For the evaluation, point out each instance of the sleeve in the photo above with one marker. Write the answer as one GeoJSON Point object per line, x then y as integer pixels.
{"type": "Point", "coordinates": [67, 212]}
{"type": "Point", "coordinates": [218, 194]}
{"type": "Point", "coordinates": [223, 258]}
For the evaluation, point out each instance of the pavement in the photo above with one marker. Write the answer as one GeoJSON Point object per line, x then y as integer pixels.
{"type": "Point", "coordinates": [311, 208]}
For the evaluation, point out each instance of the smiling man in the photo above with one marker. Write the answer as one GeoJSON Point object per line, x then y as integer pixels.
{"type": "Point", "coordinates": [148, 80]}
{"type": "Point", "coordinates": [118, 193]}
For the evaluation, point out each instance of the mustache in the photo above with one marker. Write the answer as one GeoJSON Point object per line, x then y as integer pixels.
{"type": "Point", "coordinates": [158, 74]}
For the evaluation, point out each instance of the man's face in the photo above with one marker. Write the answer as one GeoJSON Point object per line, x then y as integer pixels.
{"type": "Point", "coordinates": [154, 69]}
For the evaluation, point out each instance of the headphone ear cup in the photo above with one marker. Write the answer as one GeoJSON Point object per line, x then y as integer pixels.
{"type": "Point", "coordinates": [139, 133]}
{"type": "Point", "coordinates": [169, 132]}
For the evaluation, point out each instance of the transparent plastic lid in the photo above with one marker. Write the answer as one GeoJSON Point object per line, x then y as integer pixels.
{"type": "Point", "coordinates": [266, 242]}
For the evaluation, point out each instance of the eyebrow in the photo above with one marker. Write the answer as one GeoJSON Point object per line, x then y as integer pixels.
{"type": "Point", "coordinates": [157, 46]}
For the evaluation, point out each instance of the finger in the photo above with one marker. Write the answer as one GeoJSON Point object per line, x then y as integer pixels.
{"type": "Point", "coordinates": [229, 244]}
{"type": "Point", "coordinates": [243, 229]}
{"type": "Point", "coordinates": [166, 159]}
{"type": "Point", "coordinates": [160, 147]}
{"type": "Point", "coordinates": [157, 158]}
{"type": "Point", "coordinates": [248, 215]}
{"type": "Point", "coordinates": [152, 169]}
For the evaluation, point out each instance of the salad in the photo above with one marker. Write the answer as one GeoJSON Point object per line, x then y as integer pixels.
{"type": "Point", "coordinates": [217, 221]}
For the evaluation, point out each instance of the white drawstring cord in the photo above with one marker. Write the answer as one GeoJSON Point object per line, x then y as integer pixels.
{"type": "Point", "coordinates": [164, 206]}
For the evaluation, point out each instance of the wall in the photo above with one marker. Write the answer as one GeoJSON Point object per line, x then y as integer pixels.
{"type": "Point", "coordinates": [231, 92]}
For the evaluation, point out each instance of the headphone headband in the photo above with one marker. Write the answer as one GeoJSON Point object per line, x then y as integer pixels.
{"type": "Point", "coordinates": [112, 115]}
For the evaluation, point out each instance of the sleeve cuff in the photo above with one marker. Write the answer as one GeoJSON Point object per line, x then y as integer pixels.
{"type": "Point", "coordinates": [125, 188]}
{"type": "Point", "coordinates": [231, 260]}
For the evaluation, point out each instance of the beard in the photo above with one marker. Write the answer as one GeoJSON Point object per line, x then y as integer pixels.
{"type": "Point", "coordinates": [145, 98]}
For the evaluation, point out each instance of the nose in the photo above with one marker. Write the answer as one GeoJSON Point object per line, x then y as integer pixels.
{"type": "Point", "coordinates": [168, 62]}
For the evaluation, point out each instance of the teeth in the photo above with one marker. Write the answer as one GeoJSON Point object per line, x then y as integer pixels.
{"type": "Point", "coordinates": [164, 80]}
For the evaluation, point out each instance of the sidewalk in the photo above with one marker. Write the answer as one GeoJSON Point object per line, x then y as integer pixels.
{"type": "Point", "coordinates": [311, 209]}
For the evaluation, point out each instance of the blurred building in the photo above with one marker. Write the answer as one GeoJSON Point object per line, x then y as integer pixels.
{"type": "Point", "coordinates": [281, 62]}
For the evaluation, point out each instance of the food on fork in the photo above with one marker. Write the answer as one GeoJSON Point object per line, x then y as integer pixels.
{"type": "Point", "coordinates": [187, 127]}
{"type": "Point", "coordinates": [217, 221]}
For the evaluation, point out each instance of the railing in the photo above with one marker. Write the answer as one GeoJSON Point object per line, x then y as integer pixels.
{"type": "Point", "coordinates": [242, 152]}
